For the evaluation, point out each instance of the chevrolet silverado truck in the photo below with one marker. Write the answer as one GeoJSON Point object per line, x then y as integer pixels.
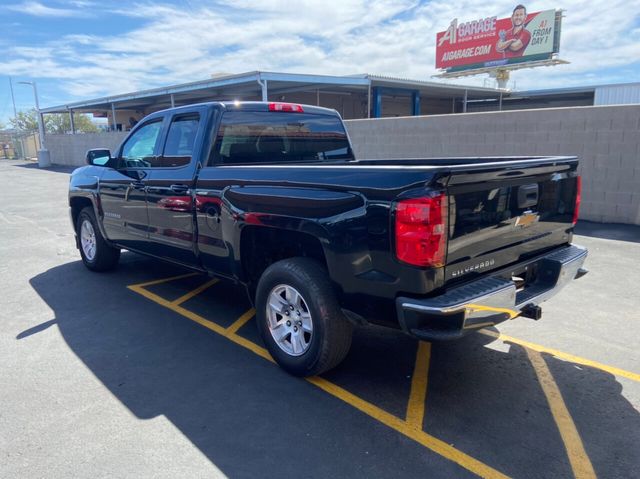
{"type": "Point", "coordinates": [271, 197]}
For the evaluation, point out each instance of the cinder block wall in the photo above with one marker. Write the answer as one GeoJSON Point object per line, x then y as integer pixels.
{"type": "Point", "coordinates": [72, 149]}
{"type": "Point", "coordinates": [606, 138]}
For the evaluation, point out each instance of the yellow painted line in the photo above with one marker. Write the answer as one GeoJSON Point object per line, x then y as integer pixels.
{"type": "Point", "coordinates": [195, 292]}
{"type": "Point", "coordinates": [403, 427]}
{"type": "Point", "coordinates": [580, 463]}
{"type": "Point", "coordinates": [250, 345]}
{"type": "Point", "coordinates": [178, 309]}
{"type": "Point", "coordinates": [418, 395]}
{"type": "Point", "coordinates": [567, 357]}
{"type": "Point", "coordinates": [216, 328]}
{"type": "Point", "coordinates": [164, 280]}
{"type": "Point", "coordinates": [241, 321]}
{"type": "Point", "coordinates": [421, 437]}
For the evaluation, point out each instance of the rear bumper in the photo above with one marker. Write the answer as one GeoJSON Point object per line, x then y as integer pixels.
{"type": "Point", "coordinates": [489, 300]}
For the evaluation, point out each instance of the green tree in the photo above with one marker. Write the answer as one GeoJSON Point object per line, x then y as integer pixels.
{"type": "Point", "coordinates": [61, 123]}
{"type": "Point", "coordinates": [25, 121]}
{"type": "Point", "coordinates": [53, 122]}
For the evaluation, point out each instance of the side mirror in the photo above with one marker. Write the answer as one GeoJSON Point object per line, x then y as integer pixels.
{"type": "Point", "coordinates": [98, 157]}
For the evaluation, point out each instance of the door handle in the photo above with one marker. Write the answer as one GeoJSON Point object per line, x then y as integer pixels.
{"type": "Point", "coordinates": [528, 195]}
{"type": "Point", "coordinates": [179, 189]}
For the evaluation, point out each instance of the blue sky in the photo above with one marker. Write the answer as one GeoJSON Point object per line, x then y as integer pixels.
{"type": "Point", "coordinates": [82, 49]}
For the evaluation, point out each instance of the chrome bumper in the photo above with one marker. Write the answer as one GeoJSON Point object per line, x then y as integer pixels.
{"type": "Point", "coordinates": [490, 300]}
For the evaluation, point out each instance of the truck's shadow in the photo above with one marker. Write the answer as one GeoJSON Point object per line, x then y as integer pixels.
{"type": "Point", "coordinates": [611, 231]}
{"type": "Point", "coordinates": [53, 168]}
{"type": "Point", "coordinates": [246, 415]}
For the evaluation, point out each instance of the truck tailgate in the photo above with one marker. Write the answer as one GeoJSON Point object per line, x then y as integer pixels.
{"type": "Point", "coordinates": [503, 215]}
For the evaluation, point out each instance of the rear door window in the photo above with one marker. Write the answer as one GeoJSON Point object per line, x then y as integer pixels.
{"type": "Point", "coordinates": [275, 137]}
{"type": "Point", "coordinates": [181, 137]}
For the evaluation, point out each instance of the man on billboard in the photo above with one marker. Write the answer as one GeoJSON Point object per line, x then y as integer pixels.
{"type": "Point", "coordinates": [514, 41]}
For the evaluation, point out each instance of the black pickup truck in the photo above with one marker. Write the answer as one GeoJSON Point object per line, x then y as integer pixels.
{"type": "Point", "coordinates": [270, 196]}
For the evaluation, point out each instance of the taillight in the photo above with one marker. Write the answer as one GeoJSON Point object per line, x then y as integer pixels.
{"type": "Point", "coordinates": [576, 209]}
{"type": "Point", "coordinates": [291, 107]}
{"type": "Point", "coordinates": [421, 230]}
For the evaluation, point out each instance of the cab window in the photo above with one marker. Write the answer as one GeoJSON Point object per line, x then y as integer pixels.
{"type": "Point", "coordinates": [181, 137]}
{"type": "Point", "coordinates": [266, 137]}
{"type": "Point", "coordinates": [138, 151]}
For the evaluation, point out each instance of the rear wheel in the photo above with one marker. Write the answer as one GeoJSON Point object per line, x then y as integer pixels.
{"type": "Point", "coordinates": [96, 254]}
{"type": "Point", "coordinates": [299, 318]}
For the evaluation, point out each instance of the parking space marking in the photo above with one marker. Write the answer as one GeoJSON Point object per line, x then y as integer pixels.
{"type": "Point", "coordinates": [580, 463]}
{"type": "Point", "coordinates": [567, 357]}
{"type": "Point", "coordinates": [241, 321]}
{"type": "Point", "coordinates": [402, 426]}
{"type": "Point", "coordinates": [419, 380]}
{"type": "Point", "coordinates": [216, 328]}
{"type": "Point", "coordinates": [165, 280]}
{"type": "Point", "coordinates": [177, 308]}
{"type": "Point", "coordinates": [195, 292]}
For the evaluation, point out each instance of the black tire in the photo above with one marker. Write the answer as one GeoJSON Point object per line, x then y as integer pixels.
{"type": "Point", "coordinates": [106, 257]}
{"type": "Point", "coordinates": [330, 340]}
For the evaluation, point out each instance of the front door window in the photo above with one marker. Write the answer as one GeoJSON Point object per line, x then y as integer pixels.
{"type": "Point", "coordinates": [138, 151]}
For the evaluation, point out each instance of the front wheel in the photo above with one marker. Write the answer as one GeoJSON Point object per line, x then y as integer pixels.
{"type": "Point", "coordinates": [96, 254]}
{"type": "Point", "coordinates": [299, 317]}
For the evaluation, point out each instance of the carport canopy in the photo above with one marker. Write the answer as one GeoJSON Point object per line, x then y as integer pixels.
{"type": "Point", "coordinates": [358, 96]}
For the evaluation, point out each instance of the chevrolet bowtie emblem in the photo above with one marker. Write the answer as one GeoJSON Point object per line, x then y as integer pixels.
{"type": "Point", "coordinates": [527, 219]}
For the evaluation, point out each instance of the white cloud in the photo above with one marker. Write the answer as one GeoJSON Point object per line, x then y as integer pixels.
{"type": "Point", "coordinates": [396, 38]}
{"type": "Point", "coordinates": [40, 10]}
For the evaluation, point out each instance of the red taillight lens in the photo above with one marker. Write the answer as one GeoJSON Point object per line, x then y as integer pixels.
{"type": "Point", "coordinates": [576, 209]}
{"type": "Point", "coordinates": [421, 230]}
{"type": "Point", "coordinates": [291, 107]}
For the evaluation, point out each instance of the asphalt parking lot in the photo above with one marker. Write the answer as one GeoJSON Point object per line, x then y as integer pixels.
{"type": "Point", "coordinates": [151, 371]}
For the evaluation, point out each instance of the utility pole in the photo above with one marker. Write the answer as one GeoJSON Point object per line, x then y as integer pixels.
{"type": "Point", "coordinates": [13, 99]}
{"type": "Point", "coordinates": [15, 115]}
{"type": "Point", "coordinates": [44, 159]}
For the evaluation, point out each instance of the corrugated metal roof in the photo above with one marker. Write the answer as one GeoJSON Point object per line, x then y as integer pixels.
{"type": "Point", "coordinates": [577, 89]}
{"type": "Point", "coordinates": [301, 79]}
{"type": "Point", "coordinates": [431, 84]}
{"type": "Point", "coordinates": [617, 94]}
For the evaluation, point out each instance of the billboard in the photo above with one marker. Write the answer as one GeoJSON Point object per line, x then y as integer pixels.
{"type": "Point", "coordinates": [493, 42]}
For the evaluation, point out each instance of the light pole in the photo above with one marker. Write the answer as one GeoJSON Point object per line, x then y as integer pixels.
{"type": "Point", "coordinates": [44, 159]}
{"type": "Point", "coordinates": [15, 115]}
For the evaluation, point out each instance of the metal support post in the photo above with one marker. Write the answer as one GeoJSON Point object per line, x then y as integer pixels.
{"type": "Point", "coordinates": [377, 102]}
{"type": "Point", "coordinates": [415, 103]}
{"type": "Point", "coordinates": [71, 120]}
{"type": "Point", "coordinates": [464, 104]}
{"type": "Point", "coordinates": [263, 88]}
{"type": "Point", "coordinates": [502, 77]}
{"type": "Point", "coordinates": [173, 101]}
{"type": "Point", "coordinates": [113, 116]}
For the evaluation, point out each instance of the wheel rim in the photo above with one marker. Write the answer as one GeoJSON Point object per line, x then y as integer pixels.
{"type": "Point", "coordinates": [88, 240]}
{"type": "Point", "coordinates": [289, 318]}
